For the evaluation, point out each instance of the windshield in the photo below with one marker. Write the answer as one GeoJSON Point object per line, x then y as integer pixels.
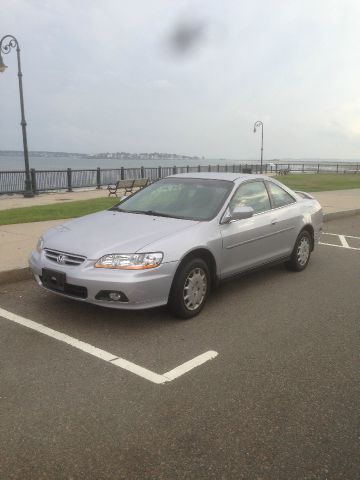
{"type": "Point", "coordinates": [188, 198]}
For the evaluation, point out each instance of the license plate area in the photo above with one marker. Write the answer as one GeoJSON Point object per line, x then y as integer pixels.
{"type": "Point", "coordinates": [53, 279]}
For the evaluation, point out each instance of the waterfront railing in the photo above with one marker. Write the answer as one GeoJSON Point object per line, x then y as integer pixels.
{"type": "Point", "coordinates": [69, 179]}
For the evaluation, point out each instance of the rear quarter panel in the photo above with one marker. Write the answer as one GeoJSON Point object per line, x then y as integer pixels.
{"type": "Point", "coordinates": [312, 214]}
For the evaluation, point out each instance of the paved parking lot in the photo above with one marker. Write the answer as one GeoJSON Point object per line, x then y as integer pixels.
{"type": "Point", "coordinates": [280, 400]}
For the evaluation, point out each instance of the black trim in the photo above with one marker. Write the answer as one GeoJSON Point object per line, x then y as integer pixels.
{"type": "Point", "coordinates": [69, 290]}
{"type": "Point", "coordinates": [269, 263]}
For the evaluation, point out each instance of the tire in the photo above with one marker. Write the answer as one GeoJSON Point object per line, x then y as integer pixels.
{"type": "Point", "coordinates": [190, 289]}
{"type": "Point", "coordinates": [301, 253]}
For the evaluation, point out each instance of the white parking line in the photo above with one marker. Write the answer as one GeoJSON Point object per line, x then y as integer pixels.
{"type": "Point", "coordinates": [109, 357]}
{"type": "Point", "coordinates": [342, 239]}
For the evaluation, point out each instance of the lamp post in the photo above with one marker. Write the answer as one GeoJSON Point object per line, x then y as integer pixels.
{"type": "Point", "coordinates": [257, 125]}
{"type": "Point", "coordinates": [7, 43]}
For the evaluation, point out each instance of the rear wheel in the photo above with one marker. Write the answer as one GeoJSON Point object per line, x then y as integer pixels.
{"type": "Point", "coordinates": [190, 289]}
{"type": "Point", "coordinates": [301, 254]}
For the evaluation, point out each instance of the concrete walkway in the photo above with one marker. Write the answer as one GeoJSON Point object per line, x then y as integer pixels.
{"type": "Point", "coordinates": [18, 201]}
{"type": "Point", "coordinates": [18, 240]}
{"type": "Point", "coordinates": [339, 200]}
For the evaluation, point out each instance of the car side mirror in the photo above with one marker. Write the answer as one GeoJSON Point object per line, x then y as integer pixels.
{"type": "Point", "coordinates": [239, 213]}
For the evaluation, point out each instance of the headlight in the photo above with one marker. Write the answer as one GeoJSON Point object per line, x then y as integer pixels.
{"type": "Point", "coordinates": [134, 261]}
{"type": "Point", "coordinates": [40, 244]}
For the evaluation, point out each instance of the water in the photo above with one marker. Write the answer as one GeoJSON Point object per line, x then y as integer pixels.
{"type": "Point", "coordinates": [52, 162]}
{"type": "Point", "coordinates": [9, 162]}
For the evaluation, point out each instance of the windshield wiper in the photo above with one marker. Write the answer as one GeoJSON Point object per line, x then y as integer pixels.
{"type": "Point", "coordinates": [143, 212]}
{"type": "Point", "coordinates": [116, 209]}
{"type": "Point", "coordinates": [154, 213]}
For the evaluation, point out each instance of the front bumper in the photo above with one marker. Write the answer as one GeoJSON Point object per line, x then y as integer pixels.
{"type": "Point", "coordinates": [142, 288]}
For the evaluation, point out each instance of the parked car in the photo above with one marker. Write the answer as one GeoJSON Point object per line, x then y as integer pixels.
{"type": "Point", "coordinates": [174, 240]}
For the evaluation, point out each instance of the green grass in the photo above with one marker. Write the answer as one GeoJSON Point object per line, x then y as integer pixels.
{"type": "Point", "coordinates": [320, 182]}
{"type": "Point", "coordinates": [55, 211]}
{"type": "Point", "coordinates": [307, 183]}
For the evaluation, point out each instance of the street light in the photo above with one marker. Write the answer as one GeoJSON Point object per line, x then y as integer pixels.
{"type": "Point", "coordinates": [6, 44]}
{"type": "Point", "coordinates": [260, 124]}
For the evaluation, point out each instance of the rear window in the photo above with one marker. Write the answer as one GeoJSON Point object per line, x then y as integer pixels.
{"type": "Point", "coordinates": [279, 197]}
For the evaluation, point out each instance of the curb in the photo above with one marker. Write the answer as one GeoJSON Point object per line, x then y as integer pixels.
{"type": "Point", "coordinates": [345, 213]}
{"type": "Point", "coordinates": [19, 274]}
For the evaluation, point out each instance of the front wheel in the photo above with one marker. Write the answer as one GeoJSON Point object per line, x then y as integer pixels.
{"type": "Point", "coordinates": [190, 289]}
{"type": "Point", "coordinates": [301, 254]}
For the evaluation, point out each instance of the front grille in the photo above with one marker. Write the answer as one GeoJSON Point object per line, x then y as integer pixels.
{"type": "Point", "coordinates": [63, 258]}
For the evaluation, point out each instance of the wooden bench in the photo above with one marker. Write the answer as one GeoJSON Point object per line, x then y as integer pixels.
{"type": "Point", "coordinates": [140, 182]}
{"type": "Point", "coordinates": [127, 185]}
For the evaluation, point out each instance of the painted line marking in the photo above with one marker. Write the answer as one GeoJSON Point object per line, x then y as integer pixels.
{"type": "Point", "coordinates": [339, 246]}
{"type": "Point", "coordinates": [337, 235]}
{"type": "Point", "coordinates": [110, 357]}
{"type": "Point", "coordinates": [187, 366]}
{"type": "Point", "coordinates": [342, 239]}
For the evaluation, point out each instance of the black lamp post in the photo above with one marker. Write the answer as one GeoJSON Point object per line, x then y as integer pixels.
{"type": "Point", "coordinates": [260, 124]}
{"type": "Point", "coordinates": [6, 44]}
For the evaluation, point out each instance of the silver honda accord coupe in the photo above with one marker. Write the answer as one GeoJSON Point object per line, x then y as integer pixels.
{"type": "Point", "coordinates": [173, 241]}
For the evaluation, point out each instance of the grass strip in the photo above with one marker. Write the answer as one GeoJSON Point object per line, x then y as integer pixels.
{"type": "Point", "coordinates": [306, 182]}
{"type": "Point", "coordinates": [55, 211]}
{"type": "Point", "coordinates": [320, 182]}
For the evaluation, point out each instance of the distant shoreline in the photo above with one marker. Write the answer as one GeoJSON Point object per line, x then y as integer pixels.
{"type": "Point", "coordinates": [52, 162]}
{"type": "Point", "coordinates": [165, 156]}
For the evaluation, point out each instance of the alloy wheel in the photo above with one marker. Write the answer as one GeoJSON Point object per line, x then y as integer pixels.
{"type": "Point", "coordinates": [303, 251]}
{"type": "Point", "coordinates": [195, 288]}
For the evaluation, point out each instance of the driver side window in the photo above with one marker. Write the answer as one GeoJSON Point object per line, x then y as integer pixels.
{"type": "Point", "coordinates": [251, 194]}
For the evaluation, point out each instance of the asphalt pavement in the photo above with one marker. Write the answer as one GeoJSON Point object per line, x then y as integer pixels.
{"type": "Point", "coordinates": [280, 400]}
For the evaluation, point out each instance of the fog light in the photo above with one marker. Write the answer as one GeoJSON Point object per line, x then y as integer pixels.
{"type": "Point", "coordinates": [116, 296]}
{"type": "Point", "coordinates": [111, 296]}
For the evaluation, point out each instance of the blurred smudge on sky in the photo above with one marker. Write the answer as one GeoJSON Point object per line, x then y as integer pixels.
{"type": "Point", "coordinates": [187, 36]}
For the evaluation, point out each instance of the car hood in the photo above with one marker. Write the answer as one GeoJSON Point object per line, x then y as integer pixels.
{"type": "Point", "coordinates": [111, 232]}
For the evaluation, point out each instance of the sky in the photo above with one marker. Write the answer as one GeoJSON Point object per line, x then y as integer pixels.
{"type": "Point", "coordinates": [186, 77]}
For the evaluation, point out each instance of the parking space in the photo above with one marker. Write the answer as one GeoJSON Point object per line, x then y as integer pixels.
{"type": "Point", "coordinates": [278, 401]}
{"type": "Point", "coordinates": [349, 238]}
{"type": "Point", "coordinates": [344, 241]}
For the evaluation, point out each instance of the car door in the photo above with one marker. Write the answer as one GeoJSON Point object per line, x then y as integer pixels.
{"type": "Point", "coordinates": [250, 242]}
{"type": "Point", "coordinates": [286, 218]}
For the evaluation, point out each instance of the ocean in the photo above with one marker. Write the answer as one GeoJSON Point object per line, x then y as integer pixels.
{"type": "Point", "coordinates": [49, 162]}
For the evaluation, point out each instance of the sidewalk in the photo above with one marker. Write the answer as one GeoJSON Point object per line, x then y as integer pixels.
{"type": "Point", "coordinates": [18, 201]}
{"type": "Point", "coordinates": [18, 240]}
{"type": "Point", "coordinates": [338, 200]}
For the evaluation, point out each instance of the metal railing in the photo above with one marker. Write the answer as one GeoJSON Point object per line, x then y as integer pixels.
{"type": "Point", "coordinates": [48, 180]}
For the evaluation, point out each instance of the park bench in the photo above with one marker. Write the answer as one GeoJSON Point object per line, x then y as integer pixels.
{"type": "Point", "coordinates": [127, 185]}
{"type": "Point", "coordinates": [284, 171]}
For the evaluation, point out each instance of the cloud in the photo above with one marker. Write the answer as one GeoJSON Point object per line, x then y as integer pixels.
{"type": "Point", "coordinates": [96, 77]}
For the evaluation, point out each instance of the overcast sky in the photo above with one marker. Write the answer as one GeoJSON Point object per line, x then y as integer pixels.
{"type": "Point", "coordinates": [185, 76]}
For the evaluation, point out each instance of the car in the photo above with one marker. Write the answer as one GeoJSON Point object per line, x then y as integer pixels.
{"type": "Point", "coordinates": [173, 241]}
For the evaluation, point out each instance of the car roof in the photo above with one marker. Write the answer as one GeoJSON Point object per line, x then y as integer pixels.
{"type": "Point", "coordinates": [219, 176]}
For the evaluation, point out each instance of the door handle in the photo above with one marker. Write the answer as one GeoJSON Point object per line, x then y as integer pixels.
{"type": "Point", "coordinates": [274, 221]}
